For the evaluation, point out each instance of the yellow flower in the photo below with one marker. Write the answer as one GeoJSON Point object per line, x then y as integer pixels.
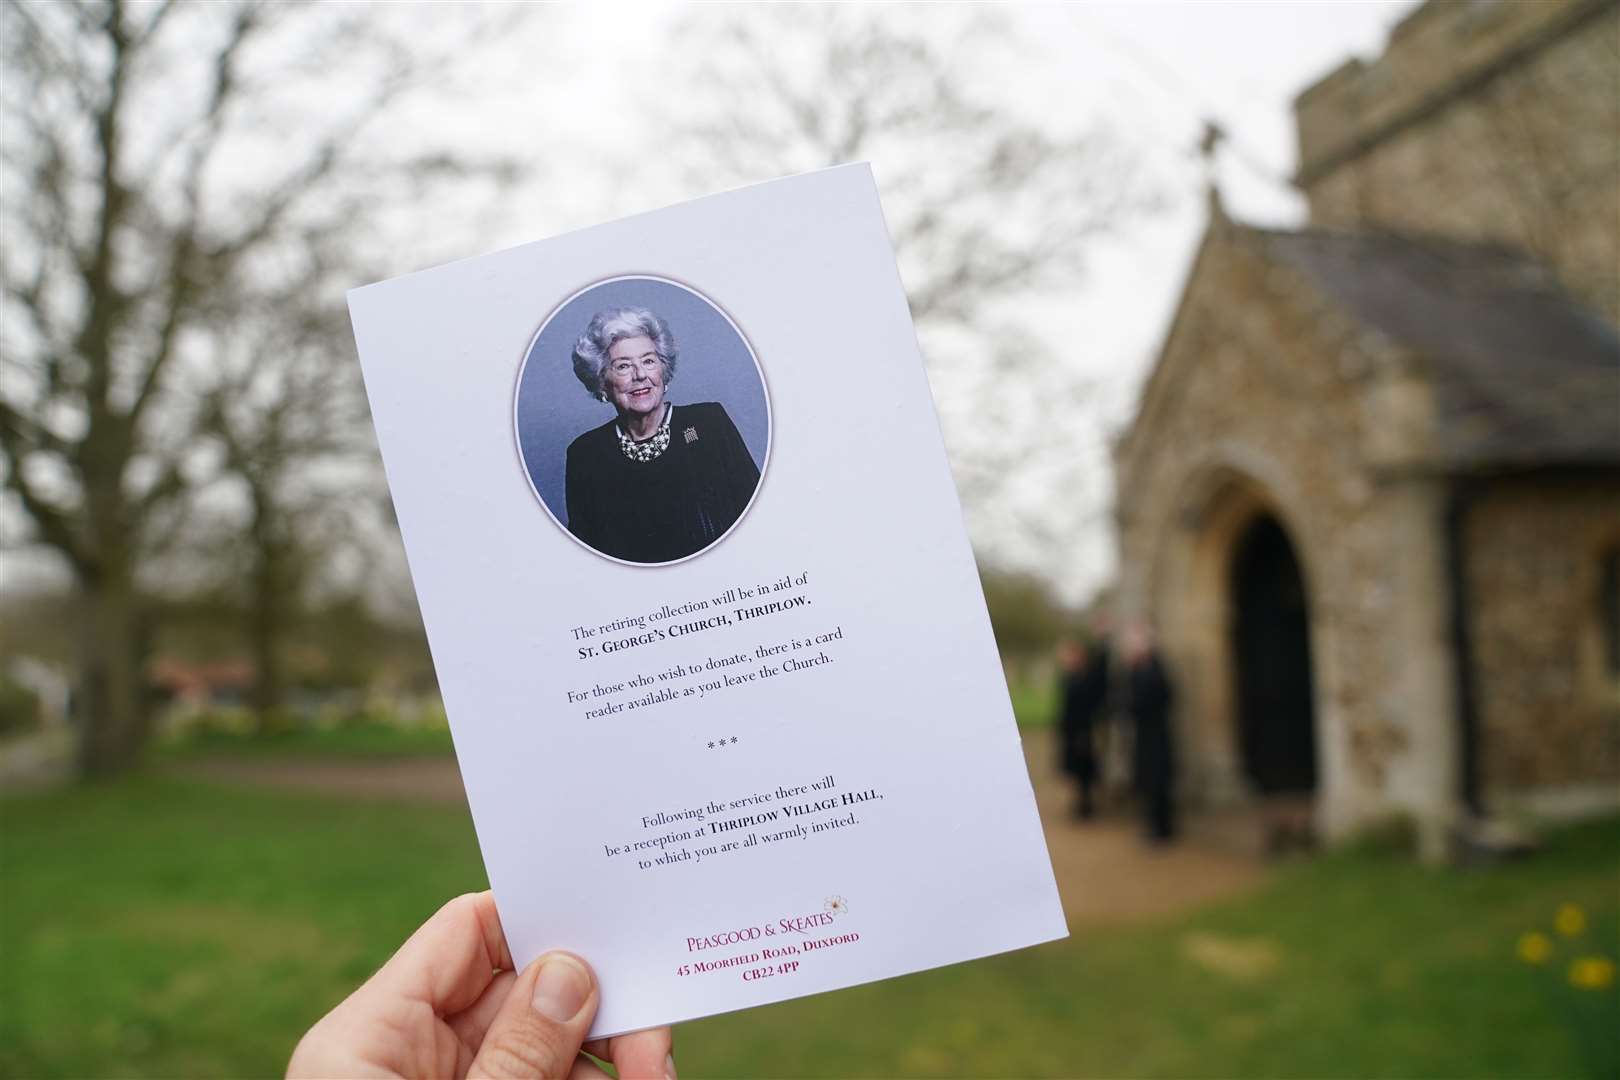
{"type": "Point", "coordinates": [1570, 920]}
{"type": "Point", "coordinates": [1534, 947]}
{"type": "Point", "coordinates": [1592, 972]}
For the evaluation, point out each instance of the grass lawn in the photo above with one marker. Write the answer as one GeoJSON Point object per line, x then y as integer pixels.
{"type": "Point", "coordinates": [1034, 702]}
{"type": "Point", "coordinates": [159, 928]}
{"type": "Point", "coordinates": [369, 740]}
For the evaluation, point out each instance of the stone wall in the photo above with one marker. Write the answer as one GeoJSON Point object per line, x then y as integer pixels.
{"type": "Point", "coordinates": [1526, 153]}
{"type": "Point", "coordinates": [1260, 404]}
{"type": "Point", "coordinates": [1486, 122]}
{"type": "Point", "coordinates": [1549, 716]}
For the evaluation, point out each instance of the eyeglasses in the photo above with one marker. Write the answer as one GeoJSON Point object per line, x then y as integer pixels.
{"type": "Point", "coordinates": [648, 363]}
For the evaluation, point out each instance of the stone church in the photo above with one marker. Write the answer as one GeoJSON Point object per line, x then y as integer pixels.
{"type": "Point", "coordinates": [1370, 501]}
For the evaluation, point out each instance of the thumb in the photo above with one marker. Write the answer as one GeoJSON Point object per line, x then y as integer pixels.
{"type": "Point", "coordinates": [540, 1028]}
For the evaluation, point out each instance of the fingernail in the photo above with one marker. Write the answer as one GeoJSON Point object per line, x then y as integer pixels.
{"type": "Point", "coordinates": [561, 989]}
{"type": "Point", "coordinates": [669, 1067]}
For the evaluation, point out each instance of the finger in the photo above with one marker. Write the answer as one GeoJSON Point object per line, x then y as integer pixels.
{"type": "Point", "coordinates": [586, 1069]}
{"type": "Point", "coordinates": [541, 1025]}
{"type": "Point", "coordinates": [472, 1023]}
{"type": "Point", "coordinates": [641, 1055]}
{"type": "Point", "coordinates": [451, 959]}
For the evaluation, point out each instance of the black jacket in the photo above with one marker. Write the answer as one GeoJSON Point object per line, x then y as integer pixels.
{"type": "Point", "coordinates": [1150, 697]}
{"type": "Point", "coordinates": [667, 508]}
{"type": "Point", "coordinates": [1084, 694]}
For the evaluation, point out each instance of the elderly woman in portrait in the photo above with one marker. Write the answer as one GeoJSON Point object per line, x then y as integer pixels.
{"type": "Point", "coordinates": [657, 482]}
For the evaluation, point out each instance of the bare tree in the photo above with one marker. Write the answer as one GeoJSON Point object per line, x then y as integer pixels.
{"type": "Point", "coordinates": [161, 161]}
{"type": "Point", "coordinates": [992, 209]}
{"type": "Point", "coordinates": [284, 405]}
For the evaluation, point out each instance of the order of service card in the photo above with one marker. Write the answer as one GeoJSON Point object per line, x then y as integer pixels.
{"type": "Point", "coordinates": [705, 618]}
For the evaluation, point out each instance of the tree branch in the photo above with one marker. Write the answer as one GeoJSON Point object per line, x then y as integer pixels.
{"type": "Point", "coordinates": [105, 299]}
{"type": "Point", "coordinates": [184, 246]}
{"type": "Point", "coordinates": [36, 48]}
{"type": "Point", "coordinates": [53, 522]}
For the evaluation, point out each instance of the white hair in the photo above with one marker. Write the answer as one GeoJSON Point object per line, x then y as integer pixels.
{"type": "Point", "coordinates": [607, 328]}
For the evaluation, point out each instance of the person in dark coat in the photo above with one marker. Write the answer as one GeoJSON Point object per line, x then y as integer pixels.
{"type": "Point", "coordinates": [658, 482]}
{"type": "Point", "coordinates": [1148, 698]}
{"type": "Point", "coordinates": [1084, 691]}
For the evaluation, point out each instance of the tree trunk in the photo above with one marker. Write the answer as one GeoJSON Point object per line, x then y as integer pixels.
{"type": "Point", "coordinates": [111, 709]}
{"type": "Point", "coordinates": [265, 632]}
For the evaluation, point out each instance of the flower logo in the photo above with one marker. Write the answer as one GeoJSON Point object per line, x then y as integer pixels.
{"type": "Point", "coordinates": [837, 905]}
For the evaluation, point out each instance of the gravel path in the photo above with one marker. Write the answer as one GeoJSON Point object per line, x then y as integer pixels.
{"type": "Point", "coordinates": [1104, 871]}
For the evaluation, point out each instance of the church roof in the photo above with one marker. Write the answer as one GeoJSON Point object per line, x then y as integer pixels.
{"type": "Point", "coordinates": [1523, 374]}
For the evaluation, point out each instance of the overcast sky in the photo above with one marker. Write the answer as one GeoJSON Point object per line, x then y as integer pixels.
{"type": "Point", "coordinates": [1156, 70]}
{"type": "Point", "coordinates": [566, 90]}
{"type": "Point", "coordinates": [1170, 66]}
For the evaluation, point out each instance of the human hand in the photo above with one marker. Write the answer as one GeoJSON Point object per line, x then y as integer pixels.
{"type": "Point", "coordinates": [449, 1004]}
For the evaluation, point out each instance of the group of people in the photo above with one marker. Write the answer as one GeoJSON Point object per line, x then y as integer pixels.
{"type": "Point", "coordinates": [1138, 695]}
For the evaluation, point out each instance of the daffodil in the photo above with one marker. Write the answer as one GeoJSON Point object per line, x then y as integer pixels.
{"type": "Point", "coordinates": [1592, 972]}
{"type": "Point", "coordinates": [1570, 920]}
{"type": "Point", "coordinates": [1534, 947]}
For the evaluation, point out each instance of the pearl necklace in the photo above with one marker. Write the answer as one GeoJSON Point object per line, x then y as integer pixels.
{"type": "Point", "coordinates": [649, 448]}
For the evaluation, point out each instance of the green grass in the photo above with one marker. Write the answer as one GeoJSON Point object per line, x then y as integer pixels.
{"type": "Point", "coordinates": [154, 928]}
{"type": "Point", "coordinates": [1034, 703]}
{"type": "Point", "coordinates": [159, 928]}
{"type": "Point", "coordinates": [1350, 965]}
{"type": "Point", "coordinates": [367, 740]}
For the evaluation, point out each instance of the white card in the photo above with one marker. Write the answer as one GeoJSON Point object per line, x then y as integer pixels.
{"type": "Point", "coordinates": [716, 660]}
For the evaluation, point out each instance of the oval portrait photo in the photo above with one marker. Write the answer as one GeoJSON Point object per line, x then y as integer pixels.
{"type": "Point", "coordinates": [642, 420]}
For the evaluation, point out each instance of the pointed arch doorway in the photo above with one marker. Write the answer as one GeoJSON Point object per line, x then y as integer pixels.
{"type": "Point", "coordinates": [1234, 588]}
